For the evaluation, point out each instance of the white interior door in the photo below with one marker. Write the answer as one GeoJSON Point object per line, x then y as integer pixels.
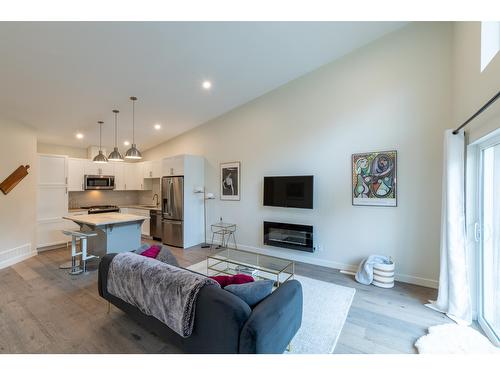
{"type": "Point", "coordinates": [489, 224]}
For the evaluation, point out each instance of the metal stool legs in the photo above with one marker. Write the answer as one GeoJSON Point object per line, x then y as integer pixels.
{"type": "Point", "coordinates": [75, 269]}
{"type": "Point", "coordinates": [79, 266]}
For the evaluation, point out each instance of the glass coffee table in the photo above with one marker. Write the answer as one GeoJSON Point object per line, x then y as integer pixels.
{"type": "Point", "coordinates": [259, 266]}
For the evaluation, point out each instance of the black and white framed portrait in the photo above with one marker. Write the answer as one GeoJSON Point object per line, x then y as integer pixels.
{"type": "Point", "coordinates": [230, 181]}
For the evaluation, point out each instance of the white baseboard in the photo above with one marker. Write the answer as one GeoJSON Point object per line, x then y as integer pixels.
{"type": "Point", "coordinates": [15, 255]}
{"type": "Point", "coordinates": [311, 259]}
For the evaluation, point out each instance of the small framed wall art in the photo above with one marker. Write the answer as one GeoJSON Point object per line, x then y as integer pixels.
{"type": "Point", "coordinates": [230, 181]}
{"type": "Point", "coordinates": [374, 179]}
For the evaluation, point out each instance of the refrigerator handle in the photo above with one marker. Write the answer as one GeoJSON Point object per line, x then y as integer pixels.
{"type": "Point", "coordinates": [170, 187]}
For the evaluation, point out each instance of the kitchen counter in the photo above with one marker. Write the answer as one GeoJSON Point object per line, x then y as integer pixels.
{"type": "Point", "coordinates": [141, 207]}
{"type": "Point", "coordinates": [116, 232]}
{"type": "Point", "coordinates": [107, 218]}
{"type": "Point", "coordinates": [73, 210]}
{"type": "Point", "coordinates": [136, 206]}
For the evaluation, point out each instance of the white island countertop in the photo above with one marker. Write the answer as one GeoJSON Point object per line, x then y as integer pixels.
{"type": "Point", "coordinates": [107, 218]}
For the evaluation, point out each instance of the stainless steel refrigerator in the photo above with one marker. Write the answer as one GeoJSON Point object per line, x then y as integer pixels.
{"type": "Point", "coordinates": [172, 192]}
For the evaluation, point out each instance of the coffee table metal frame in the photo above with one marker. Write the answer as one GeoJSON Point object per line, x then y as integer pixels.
{"type": "Point", "coordinates": [221, 263]}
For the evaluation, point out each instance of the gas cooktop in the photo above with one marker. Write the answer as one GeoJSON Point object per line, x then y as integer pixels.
{"type": "Point", "coordinates": [101, 208]}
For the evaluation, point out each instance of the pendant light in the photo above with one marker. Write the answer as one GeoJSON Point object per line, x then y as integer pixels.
{"type": "Point", "coordinates": [115, 154]}
{"type": "Point", "coordinates": [133, 152]}
{"type": "Point", "coordinates": [100, 157]}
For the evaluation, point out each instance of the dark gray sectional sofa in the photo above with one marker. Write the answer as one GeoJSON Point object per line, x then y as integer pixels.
{"type": "Point", "coordinates": [223, 322]}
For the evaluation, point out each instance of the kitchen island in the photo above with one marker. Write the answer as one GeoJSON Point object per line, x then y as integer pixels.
{"type": "Point", "coordinates": [116, 232]}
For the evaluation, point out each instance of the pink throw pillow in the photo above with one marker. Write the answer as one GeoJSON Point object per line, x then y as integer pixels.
{"type": "Point", "coordinates": [152, 252]}
{"type": "Point", "coordinates": [241, 279]}
{"type": "Point", "coordinates": [236, 279]}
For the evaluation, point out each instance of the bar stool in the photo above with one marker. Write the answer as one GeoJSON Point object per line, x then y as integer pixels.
{"type": "Point", "coordinates": [78, 267]}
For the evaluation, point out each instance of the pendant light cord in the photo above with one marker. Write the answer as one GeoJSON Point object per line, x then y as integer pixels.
{"type": "Point", "coordinates": [115, 131]}
{"type": "Point", "coordinates": [100, 134]}
{"type": "Point", "coordinates": [133, 122]}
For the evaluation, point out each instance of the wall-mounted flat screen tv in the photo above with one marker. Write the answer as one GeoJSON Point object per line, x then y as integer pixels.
{"type": "Point", "coordinates": [289, 191]}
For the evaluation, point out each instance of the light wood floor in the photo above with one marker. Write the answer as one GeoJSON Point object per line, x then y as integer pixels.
{"type": "Point", "coordinates": [45, 310]}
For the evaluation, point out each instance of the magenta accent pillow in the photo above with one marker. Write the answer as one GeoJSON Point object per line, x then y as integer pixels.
{"type": "Point", "coordinates": [222, 280]}
{"type": "Point", "coordinates": [152, 252]}
{"type": "Point", "coordinates": [229, 280]}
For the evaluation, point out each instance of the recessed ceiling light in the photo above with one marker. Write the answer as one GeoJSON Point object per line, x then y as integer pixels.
{"type": "Point", "coordinates": [79, 135]}
{"type": "Point", "coordinates": [157, 126]}
{"type": "Point", "coordinates": [207, 85]}
{"type": "Point", "coordinates": [126, 143]}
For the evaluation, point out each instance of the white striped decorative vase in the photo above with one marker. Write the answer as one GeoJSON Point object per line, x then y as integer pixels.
{"type": "Point", "coordinates": [383, 275]}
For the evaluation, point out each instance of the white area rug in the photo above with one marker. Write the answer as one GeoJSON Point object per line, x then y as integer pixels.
{"type": "Point", "coordinates": [454, 339]}
{"type": "Point", "coordinates": [325, 310]}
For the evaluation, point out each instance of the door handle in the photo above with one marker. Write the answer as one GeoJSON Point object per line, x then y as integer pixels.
{"type": "Point", "coordinates": [477, 232]}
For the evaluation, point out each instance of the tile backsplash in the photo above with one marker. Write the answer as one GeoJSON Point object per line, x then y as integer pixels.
{"type": "Point", "coordinates": [79, 199]}
{"type": "Point", "coordinates": [146, 197]}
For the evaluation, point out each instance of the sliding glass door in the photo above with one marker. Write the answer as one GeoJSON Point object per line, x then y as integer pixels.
{"type": "Point", "coordinates": [488, 234]}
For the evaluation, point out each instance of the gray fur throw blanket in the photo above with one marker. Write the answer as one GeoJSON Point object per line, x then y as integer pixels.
{"type": "Point", "coordinates": [158, 289]}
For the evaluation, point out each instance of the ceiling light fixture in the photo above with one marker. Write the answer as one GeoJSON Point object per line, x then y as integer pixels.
{"type": "Point", "coordinates": [126, 143]}
{"type": "Point", "coordinates": [79, 135]}
{"type": "Point", "coordinates": [115, 154]}
{"type": "Point", "coordinates": [157, 126]}
{"type": "Point", "coordinates": [100, 157]}
{"type": "Point", "coordinates": [207, 85]}
{"type": "Point", "coordinates": [133, 152]}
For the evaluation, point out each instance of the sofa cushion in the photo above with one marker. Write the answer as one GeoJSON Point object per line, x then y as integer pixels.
{"type": "Point", "coordinates": [142, 249]}
{"type": "Point", "coordinates": [166, 256]}
{"type": "Point", "coordinates": [225, 280]}
{"type": "Point", "coordinates": [252, 293]}
{"type": "Point", "coordinates": [152, 252]}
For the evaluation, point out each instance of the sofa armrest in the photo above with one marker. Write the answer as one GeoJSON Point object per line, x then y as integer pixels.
{"type": "Point", "coordinates": [102, 275]}
{"type": "Point", "coordinates": [273, 322]}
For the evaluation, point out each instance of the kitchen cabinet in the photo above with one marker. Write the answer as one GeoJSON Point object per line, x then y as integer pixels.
{"type": "Point", "coordinates": [76, 170]}
{"type": "Point", "coordinates": [119, 173]}
{"type": "Point", "coordinates": [52, 199]}
{"type": "Point", "coordinates": [106, 169]}
{"type": "Point", "coordinates": [133, 176]}
{"type": "Point", "coordinates": [173, 166]}
{"type": "Point", "coordinates": [128, 176]}
{"type": "Point", "coordinates": [52, 170]}
{"type": "Point", "coordinates": [152, 169]}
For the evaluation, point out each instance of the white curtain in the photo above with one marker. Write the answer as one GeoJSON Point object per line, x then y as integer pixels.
{"type": "Point", "coordinates": [454, 294]}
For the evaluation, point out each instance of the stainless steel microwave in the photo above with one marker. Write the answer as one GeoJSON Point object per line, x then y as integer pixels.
{"type": "Point", "coordinates": [99, 182]}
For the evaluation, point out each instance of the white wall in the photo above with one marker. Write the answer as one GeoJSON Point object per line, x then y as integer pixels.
{"type": "Point", "coordinates": [17, 208]}
{"type": "Point", "coordinates": [72, 152]}
{"type": "Point", "coordinates": [471, 87]}
{"type": "Point", "coordinates": [392, 94]}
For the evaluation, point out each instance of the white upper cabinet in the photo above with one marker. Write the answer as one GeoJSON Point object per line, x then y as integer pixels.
{"type": "Point", "coordinates": [52, 169]}
{"type": "Point", "coordinates": [76, 170]}
{"type": "Point", "coordinates": [139, 176]}
{"type": "Point", "coordinates": [173, 166]}
{"type": "Point", "coordinates": [119, 168]}
{"type": "Point", "coordinates": [147, 169]}
{"type": "Point", "coordinates": [96, 169]}
{"type": "Point", "coordinates": [156, 168]}
{"type": "Point", "coordinates": [133, 176]}
{"type": "Point", "coordinates": [152, 169]}
{"type": "Point", "coordinates": [128, 176]}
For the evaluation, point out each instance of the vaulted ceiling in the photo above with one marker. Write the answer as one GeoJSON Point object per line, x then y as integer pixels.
{"type": "Point", "coordinates": [62, 77]}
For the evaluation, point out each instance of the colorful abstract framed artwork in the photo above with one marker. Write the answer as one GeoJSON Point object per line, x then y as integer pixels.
{"type": "Point", "coordinates": [374, 179]}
